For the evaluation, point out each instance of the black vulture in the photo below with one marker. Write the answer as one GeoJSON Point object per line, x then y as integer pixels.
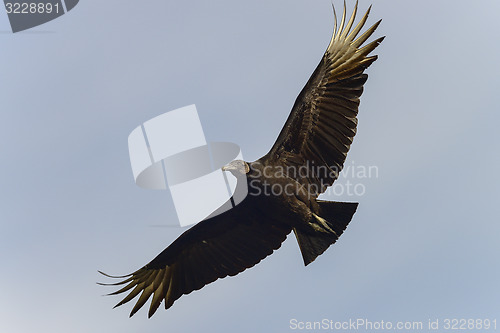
{"type": "Point", "coordinates": [306, 158]}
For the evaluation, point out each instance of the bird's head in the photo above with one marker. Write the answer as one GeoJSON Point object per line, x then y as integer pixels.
{"type": "Point", "coordinates": [237, 168]}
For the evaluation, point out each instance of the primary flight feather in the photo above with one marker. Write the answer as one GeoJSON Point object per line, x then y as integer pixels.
{"type": "Point", "coordinates": [316, 138]}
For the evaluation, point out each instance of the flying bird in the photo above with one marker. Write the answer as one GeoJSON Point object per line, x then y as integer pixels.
{"type": "Point", "coordinates": [283, 186]}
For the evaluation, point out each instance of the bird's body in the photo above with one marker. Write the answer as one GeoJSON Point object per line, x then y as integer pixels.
{"type": "Point", "coordinates": [283, 186]}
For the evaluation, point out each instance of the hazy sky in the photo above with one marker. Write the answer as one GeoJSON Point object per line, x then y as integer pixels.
{"type": "Point", "coordinates": [422, 245]}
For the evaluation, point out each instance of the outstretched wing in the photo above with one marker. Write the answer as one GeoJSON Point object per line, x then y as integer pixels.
{"type": "Point", "coordinates": [319, 131]}
{"type": "Point", "coordinates": [223, 245]}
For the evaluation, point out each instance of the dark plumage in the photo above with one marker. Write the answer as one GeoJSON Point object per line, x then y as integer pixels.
{"type": "Point", "coordinates": [306, 158]}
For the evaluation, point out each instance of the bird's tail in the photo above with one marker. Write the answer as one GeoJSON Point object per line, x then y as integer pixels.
{"type": "Point", "coordinates": [331, 221]}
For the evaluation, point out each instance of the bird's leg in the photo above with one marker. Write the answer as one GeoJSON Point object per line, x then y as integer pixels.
{"type": "Point", "coordinates": [323, 223]}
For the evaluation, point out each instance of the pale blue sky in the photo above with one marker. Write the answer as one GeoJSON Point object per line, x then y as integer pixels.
{"type": "Point", "coordinates": [423, 244]}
